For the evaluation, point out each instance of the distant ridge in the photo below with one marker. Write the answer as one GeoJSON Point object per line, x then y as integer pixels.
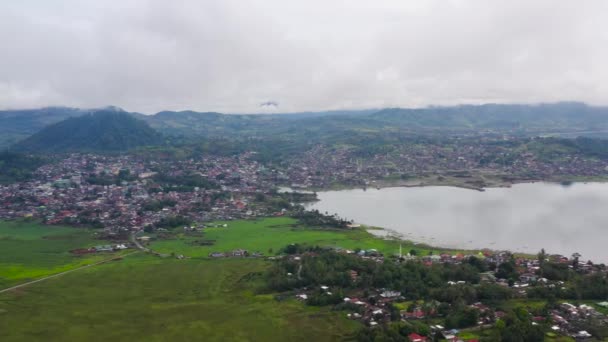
{"type": "Point", "coordinates": [108, 129]}
{"type": "Point", "coordinates": [567, 118]}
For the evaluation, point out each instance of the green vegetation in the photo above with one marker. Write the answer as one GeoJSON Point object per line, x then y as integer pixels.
{"type": "Point", "coordinates": [428, 287]}
{"type": "Point", "coordinates": [100, 131]}
{"type": "Point", "coordinates": [16, 167]}
{"type": "Point", "coordinates": [314, 218]}
{"type": "Point", "coordinates": [29, 250]}
{"type": "Point", "coordinates": [151, 299]}
{"type": "Point", "coordinates": [145, 297]}
{"type": "Point", "coordinates": [174, 221]}
{"type": "Point", "coordinates": [16, 125]}
{"type": "Point", "coordinates": [269, 235]}
{"type": "Point", "coordinates": [294, 131]}
{"type": "Point", "coordinates": [414, 279]}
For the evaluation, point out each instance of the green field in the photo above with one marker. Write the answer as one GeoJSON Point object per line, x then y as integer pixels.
{"type": "Point", "coordinates": [145, 298]}
{"type": "Point", "coordinates": [269, 235]}
{"type": "Point", "coordinates": [29, 250]}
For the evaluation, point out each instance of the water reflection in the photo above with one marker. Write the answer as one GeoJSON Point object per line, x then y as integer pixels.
{"type": "Point", "coordinates": [527, 217]}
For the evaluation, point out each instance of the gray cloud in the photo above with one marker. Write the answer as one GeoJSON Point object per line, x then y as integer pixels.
{"type": "Point", "coordinates": [232, 55]}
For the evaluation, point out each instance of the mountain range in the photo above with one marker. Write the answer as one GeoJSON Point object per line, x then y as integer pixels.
{"type": "Point", "coordinates": [563, 118]}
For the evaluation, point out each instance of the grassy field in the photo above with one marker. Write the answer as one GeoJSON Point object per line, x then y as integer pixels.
{"type": "Point", "coordinates": [146, 298]}
{"type": "Point", "coordinates": [269, 235]}
{"type": "Point", "coordinates": [29, 250]}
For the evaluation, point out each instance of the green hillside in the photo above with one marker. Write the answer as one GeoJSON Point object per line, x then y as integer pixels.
{"type": "Point", "coordinates": [104, 130]}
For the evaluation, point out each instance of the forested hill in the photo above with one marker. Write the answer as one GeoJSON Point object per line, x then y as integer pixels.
{"type": "Point", "coordinates": [558, 117]}
{"type": "Point", "coordinates": [16, 125]}
{"type": "Point", "coordinates": [569, 119]}
{"type": "Point", "coordinates": [104, 130]}
{"type": "Point", "coordinates": [565, 117]}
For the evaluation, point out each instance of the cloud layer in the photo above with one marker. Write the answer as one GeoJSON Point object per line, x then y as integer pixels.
{"type": "Point", "coordinates": [233, 55]}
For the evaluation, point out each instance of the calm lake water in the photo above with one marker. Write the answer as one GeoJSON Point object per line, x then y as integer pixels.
{"type": "Point", "coordinates": [523, 218]}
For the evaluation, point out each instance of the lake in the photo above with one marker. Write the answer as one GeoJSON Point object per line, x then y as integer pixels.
{"type": "Point", "coordinates": [523, 218]}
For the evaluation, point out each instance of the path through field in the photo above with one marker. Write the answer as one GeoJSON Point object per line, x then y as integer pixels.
{"type": "Point", "coordinates": [66, 272]}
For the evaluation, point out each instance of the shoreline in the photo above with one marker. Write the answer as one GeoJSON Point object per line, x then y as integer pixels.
{"type": "Point", "coordinates": [393, 235]}
{"type": "Point", "coordinates": [456, 182]}
{"type": "Point", "coordinates": [464, 246]}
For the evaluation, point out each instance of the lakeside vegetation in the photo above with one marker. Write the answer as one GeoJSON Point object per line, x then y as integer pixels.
{"type": "Point", "coordinates": [270, 235]}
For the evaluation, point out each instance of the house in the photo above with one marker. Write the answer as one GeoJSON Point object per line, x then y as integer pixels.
{"type": "Point", "coordinates": [104, 248]}
{"type": "Point", "coordinates": [416, 314]}
{"type": "Point", "coordinates": [239, 253]}
{"type": "Point", "coordinates": [416, 338]}
{"type": "Point", "coordinates": [582, 335]}
{"type": "Point", "coordinates": [390, 294]}
{"type": "Point", "coordinates": [527, 277]}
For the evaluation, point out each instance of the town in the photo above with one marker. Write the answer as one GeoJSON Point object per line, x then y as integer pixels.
{"type": "Point", "coordinates": [133, 191]}
{"type": "Point", "coordinates": [453, 296]}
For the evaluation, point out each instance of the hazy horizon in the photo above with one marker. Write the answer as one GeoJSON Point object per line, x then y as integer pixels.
{"type": "Point", "coordinates": [430, 106]}
{"type": "Point", "coordinates": [275, 56]}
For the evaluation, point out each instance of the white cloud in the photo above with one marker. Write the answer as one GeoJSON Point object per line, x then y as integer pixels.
{"type": "Point", "coordinates": [232, 55]}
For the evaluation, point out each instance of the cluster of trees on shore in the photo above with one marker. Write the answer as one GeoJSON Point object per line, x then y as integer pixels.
{"type": "Point", "coordinates": [314, 218]}
{"type": "Point", "coordinates": [415, 280]}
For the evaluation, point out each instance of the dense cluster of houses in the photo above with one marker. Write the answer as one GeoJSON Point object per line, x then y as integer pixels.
{"type": "Point", "coordinates": [70, 192]}
{"type": "Point", "coordinates": [93, 189]}
{"type": "Point", "coordinates": [101, 248]}
{"type": "Point", "coordinates": [324, 166]}
{"type": "Point", "coordinates": [373, 308]}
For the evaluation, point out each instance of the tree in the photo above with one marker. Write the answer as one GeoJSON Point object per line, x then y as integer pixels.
{"type": "Point", "coordinates": [575, 258]}
{"type": "Point", "coordinates": [542, 257]}
{"type": "Point", "coordinates": [506, 270]}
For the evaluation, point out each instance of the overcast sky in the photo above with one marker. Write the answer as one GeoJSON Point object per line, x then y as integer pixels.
{"type": "Point", "coordinates": [282, 55]}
